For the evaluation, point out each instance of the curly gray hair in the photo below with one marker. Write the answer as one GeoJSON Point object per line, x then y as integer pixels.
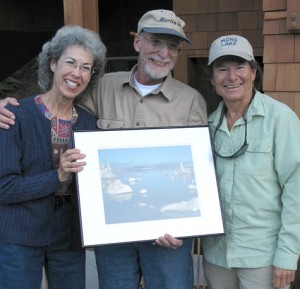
{"type": "Point", "coordinates": [65, 37]}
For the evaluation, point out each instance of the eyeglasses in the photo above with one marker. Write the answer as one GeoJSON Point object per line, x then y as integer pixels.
{"type": "Point", "coordinates": [241, 150]}
{"type": "Point", "coordinates": [85, 68]}
{"type": "Point", "coordinates": [157, 44]}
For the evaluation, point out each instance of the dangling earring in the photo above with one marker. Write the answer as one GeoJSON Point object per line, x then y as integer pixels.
{"type": "Point", "coordinates": [213, 89]}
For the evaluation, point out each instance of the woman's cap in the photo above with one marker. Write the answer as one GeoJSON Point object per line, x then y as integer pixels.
{"type": "Point", "coordinates": [162, 22]}
{"type": "Point", "coordinates": [230, 45]}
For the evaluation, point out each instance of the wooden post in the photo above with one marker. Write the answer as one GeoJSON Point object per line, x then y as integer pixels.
{"type": "Point", "coordinates": [83, 13]}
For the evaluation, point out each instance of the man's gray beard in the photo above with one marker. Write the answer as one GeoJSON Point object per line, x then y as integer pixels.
{"type": "Point", "coordinates": [156, 73]}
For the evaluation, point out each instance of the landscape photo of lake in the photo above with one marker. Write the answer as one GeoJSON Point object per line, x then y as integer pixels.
{"type": "Point", "coordinates": [148, 183]}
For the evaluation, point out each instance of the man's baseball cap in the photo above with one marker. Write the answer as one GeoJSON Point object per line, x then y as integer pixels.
{"type": "Point", "coordinates": [230, 45]}
{"type": "Point", "coordinates": [162, 22]}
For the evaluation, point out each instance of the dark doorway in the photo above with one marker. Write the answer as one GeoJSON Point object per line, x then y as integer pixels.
{"type": "Point", "coordinates": [197, 79]}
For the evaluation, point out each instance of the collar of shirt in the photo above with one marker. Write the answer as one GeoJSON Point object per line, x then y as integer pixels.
{"type": "Point", "coordinates": [166, 88]}
{"type": "Point", "coordinates": [256, 108]}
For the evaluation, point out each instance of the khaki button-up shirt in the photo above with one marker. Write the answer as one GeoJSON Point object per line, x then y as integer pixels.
{"type": "Point", "coordinates": [117, 103]}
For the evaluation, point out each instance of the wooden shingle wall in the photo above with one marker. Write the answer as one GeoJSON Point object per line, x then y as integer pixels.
{"type": "Point", "coordinates": [282, 51]}
{"type": "Point", "coordinates": [207, 20]}
{"type": "Point", "coordinates": [271, 26]}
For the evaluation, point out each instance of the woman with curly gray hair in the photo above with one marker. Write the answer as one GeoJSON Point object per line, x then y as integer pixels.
{"type": "Point", "coordinates": [39, 226]}
{"type": "Point", "coordinates": [64, 38]}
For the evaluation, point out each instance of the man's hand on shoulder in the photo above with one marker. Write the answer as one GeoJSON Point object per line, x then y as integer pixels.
{"type": "Point", "coordinates": [7, 118]}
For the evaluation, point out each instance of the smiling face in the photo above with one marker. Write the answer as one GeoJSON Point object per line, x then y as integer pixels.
{"type": "Point", "coordinates": [72, 72]}
{"type": "Point", "coordinates": [233, 80]}
{"type": "Point", "coordinates": [157, 56]}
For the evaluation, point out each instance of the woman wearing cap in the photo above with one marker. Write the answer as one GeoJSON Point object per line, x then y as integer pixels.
{"type": "Point", "coordinates": [256, 147]}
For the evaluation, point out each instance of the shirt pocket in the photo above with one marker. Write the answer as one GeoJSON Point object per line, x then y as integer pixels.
{"type": "Point", "coordinates": [259, 158]}
{"type": "Point", "coordinates": [110, 123]}
{"type": "Point", "coordinates": [263, 145]}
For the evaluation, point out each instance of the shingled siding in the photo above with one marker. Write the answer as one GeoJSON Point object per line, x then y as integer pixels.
{"type": "Point", "coordinates": [272, 28]}
{"type": "Point", "coordinates": [207, 20]}
{"type": "Point", "coordinates": [282, 51]}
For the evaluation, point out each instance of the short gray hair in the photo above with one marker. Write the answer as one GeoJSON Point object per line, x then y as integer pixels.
{"type": "Point", "coordinates": [65, 37]}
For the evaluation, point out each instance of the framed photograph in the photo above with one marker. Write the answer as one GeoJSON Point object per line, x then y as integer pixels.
{"type": "Point", "coordinates": [139, 184]}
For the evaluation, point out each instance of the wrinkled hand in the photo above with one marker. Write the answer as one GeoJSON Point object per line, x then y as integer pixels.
{"type": "Point", "coordinates": [169, 242]}
{"type": "Point", "coordinates": [69, 163]}
{"type": "Point", "coordinates": [282, 277]}
{"type": "Point", "coordinates": [7, 118]}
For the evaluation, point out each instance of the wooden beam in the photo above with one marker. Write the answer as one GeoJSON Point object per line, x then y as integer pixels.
{"type": "Point", "coordinates": [91, 15]}
{"type": "Point", "coordinates": [83, 13]}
